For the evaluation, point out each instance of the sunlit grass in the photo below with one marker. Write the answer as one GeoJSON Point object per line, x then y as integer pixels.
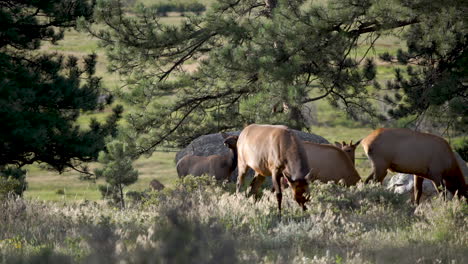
{"type": "Point", "coordinates": [44, 184]}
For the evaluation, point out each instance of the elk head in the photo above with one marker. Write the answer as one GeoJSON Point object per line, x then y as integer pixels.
{"type": "Point", "coordinates": [350, 148]}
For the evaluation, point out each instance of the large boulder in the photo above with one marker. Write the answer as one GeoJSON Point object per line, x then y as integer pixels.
{"type": "Point", "coordinates": [213, 144]}
{"type": "Point", "coordinates": [403, 183]}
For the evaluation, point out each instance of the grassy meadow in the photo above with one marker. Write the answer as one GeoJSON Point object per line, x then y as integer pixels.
{"type": "Point", "coordinates": [328, 122]}
{"type": "Point", "coordinates": [64, 220]}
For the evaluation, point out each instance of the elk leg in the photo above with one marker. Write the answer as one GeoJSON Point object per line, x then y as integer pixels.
{"type": "Point", "coordinates": [276, 177]}
{"type": "Point", "coordinates": [369, 178]}
{"type": "Point", "coordinates": [418, 181]}
{"type": "Point", "coordinates": [242, 171]}
{"type": "Point", "coordinates": [438, 183]}
{"type": "Point", "coordinates": [256, 183]}
{"type": "Point", "coordinates": [379, 170]}
{"type": "Point", "coordinates": [456, 186]}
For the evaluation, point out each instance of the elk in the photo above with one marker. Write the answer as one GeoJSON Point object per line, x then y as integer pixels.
{"type": "Point", "coordinates": [422, 154]}
{"type": "Point", "coordinates": [349, 149]}
{"type": "Point", "coordinates": [219, 166]}
{"type": "Point", "coordinates": [331, 163]}
{"type": "Point", "coordinates": [275, 151]}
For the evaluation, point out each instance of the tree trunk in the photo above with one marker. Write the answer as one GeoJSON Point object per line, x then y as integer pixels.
{"type": "Point", "coordinates": [122, 202]}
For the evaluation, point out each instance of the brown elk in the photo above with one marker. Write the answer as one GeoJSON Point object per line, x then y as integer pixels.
{"type": "Point", "coordinates": [331, 163]}
{"type": "Point", "coordinates": [349, 149]}
{"type": "Point", "coordinates": [219, 166]}
{"type": "Point", "coordinates": [424, 155]}
{"type": "Point", "coordinates": [273, 151]}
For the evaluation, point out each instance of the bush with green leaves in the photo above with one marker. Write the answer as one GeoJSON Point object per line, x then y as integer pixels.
{"type": "Point", "coordinates": [460, 145]}
{"type": "Point", "coordinates": [12, 181]}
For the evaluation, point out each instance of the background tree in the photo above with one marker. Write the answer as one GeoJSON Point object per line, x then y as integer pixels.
{"type": "Point", "coordinates": [118, 171]}
{"type": "Point", "coordinates": [257, 61]}
{"type": "Point", "coordinates": [42, 94]}
{"type": "Point", "coordinates": [435, 80]}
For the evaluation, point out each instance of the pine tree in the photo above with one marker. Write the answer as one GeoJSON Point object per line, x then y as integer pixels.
{"type": "Point", "coordinates": [117, 171]}
{"type": "Point", "coordinates": [435, 80]}
{"type": "Point", "coordinates": [258, 61]}
{"type": "Point", "coordinates": [42, 94]}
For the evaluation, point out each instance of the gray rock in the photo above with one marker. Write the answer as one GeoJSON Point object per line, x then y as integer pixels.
{"type": "Point", "coordinates": [212, 144]}
{"type": "Point", "coordinates": [403, 183]}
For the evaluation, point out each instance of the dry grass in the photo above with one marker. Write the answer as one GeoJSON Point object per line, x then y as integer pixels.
{"type": "Point", "coordinates": [200, 222]}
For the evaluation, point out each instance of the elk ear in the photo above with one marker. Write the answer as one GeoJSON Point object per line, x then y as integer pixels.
{"type": "Point", "coordinates": [224, 135]}
{"type": "Point", "coordinates": [357, 143]}
{"type": "Point", "coordinates": [344, 143]}
{"type": "Point", "coordinates": [338, 144]}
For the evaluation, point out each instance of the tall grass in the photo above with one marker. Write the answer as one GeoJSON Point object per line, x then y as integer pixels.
{"type": "Point", "coordinates": [200, 222]}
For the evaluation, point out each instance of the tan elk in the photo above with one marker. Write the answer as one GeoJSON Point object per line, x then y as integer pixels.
{"type": "Point", "coordinates": [331, 163]}
{"type": "Point", "coordinates": [219, 166]}
{"type": "Point", "coordinates": [273, 151]}
{"type": "Point", "coordinates": [406, 151]}
{"type": "Point", "coordinates": [349, 149]}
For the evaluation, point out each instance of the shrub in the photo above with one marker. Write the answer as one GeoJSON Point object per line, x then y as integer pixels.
{"type": "Point", "coordinates": [12, 180]}
{"type": "Point", "coordinates": [9, 186]}
{"type": "Point", "coordinates": [460, 145]}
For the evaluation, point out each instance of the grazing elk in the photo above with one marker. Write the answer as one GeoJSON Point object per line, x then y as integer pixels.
{"type": "Point", "coordinates": [273, 151]}
{"type": "Point", "coordinates": [406, 151]}
{"type": "Point", "coordinates": [219, 166]}
{"type": "Point", "coordinates": [330, 163]}
{"type": "Point", "coordinates": [349, 149]}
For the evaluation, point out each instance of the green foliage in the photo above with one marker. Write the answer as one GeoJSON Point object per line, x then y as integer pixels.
{"type": "Point", "coordinates": [437, 85]}
{"type": "Point", "coordinates": [243, 62]}
{"type": "Point", "coordinates": [9, 186]}
{"type": "Point", "coordinates": [460, 145]}
{"type": "Point", "coordinates": [256, 67]}
{"type": "Point", "coordinates": [12, 180]}
{"type": "Point", "coordinates": [43, 94]}
{"type": "Point", "coordinates": [118, 171]}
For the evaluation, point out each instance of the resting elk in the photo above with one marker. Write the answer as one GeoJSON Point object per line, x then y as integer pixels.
{"type": "Point", "coordinates": [406, 151]}
{"type": "Point", "coordinates": [273, 151]}
{"type": "Point", "coordinates": [331, 163]}
{"type": "Point", "coordinates": [219, 166]}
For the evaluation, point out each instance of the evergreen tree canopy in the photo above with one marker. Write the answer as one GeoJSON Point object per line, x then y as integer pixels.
{"type": "Point", "coordinates": [262, 61]}
{"type": "Point", "coordinates": [436, 79]}
{"type": "Point", "coordinates": [42, 95]}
